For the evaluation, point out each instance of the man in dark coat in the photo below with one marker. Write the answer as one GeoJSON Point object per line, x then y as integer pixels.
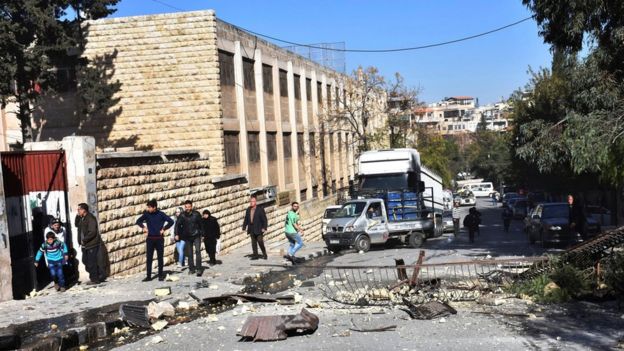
{"type": "Point", "coordinates": [91, 242]}
{"type": "Point", "coordinates": [188, 228]}
{"type": "Point", "coordinates": [154, 224]}
{"type": "Point", "coordinates": [578, 218]}
{"type": "Point", "coordinates": [255, 223]}
{"type": "Point", "coordinates": [211, 233]}
{"type": "Point", "coordinates": [471, 222]}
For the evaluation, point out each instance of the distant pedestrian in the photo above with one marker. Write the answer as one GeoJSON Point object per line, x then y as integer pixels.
{"type": "Point", "coordinates": [455, 215]}
{"type": "Point", "coordinates": [294, 231]}
{"type": "Point", "coordinates": [255, 223]}
{"type": "Point", "coordinates": [57, 228]}
{"type": "Point", "coordinates": [479, 217]}
{"type": "Point", "coordinates": [471, 222]}
{"type": "Point", "coordinates": [179, 244]}
{"type": "Point", "coordinates": [578, 218]}
{"type": "Point", "coordinates": [154, 224]}
{"type": "Point", "coordinates": [211, 233]}
{"type": "Point", "coordinates": [506, 215]}
{"type": "Point", "coordinates": [188, 228]}
{"type": "Point", "coordinates": [55, 252]}
{"type": "Point", "coordinates": [91, 242]}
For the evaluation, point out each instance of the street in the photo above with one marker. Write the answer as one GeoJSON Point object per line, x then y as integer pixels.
{"type": "Point", "coordinates": [577, 326]}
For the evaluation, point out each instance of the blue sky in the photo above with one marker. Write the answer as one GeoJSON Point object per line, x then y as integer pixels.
{"type": "Point", "coordinates": [489, 67]}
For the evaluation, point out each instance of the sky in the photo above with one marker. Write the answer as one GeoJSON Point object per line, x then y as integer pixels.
{"type": "Point", "coordinates": [488, 68]}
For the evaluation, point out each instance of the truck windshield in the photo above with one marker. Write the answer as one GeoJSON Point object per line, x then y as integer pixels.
{"type": "Point", "coordinates": [351, 210]}
{"type": "Point", "coordinates": [384, 181]}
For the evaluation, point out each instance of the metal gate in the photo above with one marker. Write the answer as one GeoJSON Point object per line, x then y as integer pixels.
{"type": "Point", "coordinates": [35, 187]}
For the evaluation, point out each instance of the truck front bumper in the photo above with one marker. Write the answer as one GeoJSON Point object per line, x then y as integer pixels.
{"type": "Point", "coordinates": [344, 239]}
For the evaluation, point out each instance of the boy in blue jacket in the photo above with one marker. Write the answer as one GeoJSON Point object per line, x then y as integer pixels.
{"type": "Point", "coordinates": [56, 253]}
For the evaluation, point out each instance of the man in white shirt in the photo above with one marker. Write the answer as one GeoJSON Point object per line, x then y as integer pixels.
{"type": "Point", "coordinates": [57, 228]}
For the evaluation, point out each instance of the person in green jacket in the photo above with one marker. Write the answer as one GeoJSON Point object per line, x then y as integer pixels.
{"type": "Point", "coordinates": [294, 230]}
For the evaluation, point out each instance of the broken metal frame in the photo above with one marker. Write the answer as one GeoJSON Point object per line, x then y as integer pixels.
{"type": "Point", "coordinates": [448, 281]}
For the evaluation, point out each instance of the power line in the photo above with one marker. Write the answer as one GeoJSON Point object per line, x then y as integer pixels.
{"type": "Point", "coordinates": [413, 48]}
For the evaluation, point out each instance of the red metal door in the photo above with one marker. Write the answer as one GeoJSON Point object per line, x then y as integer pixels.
{"type": "Point", "coordinates": [35, 189]}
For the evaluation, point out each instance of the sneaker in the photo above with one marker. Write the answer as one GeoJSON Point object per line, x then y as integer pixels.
{"type": "Point", "coordinates": [265, 257]}
{"type": "Point", "coordinates": [62, 290]}
{"type": "Point", "coordinates": [57, 287]}
{"type": "Point", "coordinates": [180, 265]}
{"type": "Point", "coordinates": [191, 271]}
{"type": "Point", "coordinates": [254, 258]}
{"type": "Point", "coordinates": [161, 278]}
{"type": "Point", "coordinates": [199, 273]}
{"type": "Point", "coordinates": [212, 263]}
{"type": "Point", "coordinates": [147, 279]}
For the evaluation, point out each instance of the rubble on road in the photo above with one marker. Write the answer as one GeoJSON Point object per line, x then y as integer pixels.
{"type": "Point", "coordinates": [159, 325]}
{"type": "Point", "coordinates": [272, 328]}
{"type": "Point", "coordinates": [429, 310]}
{"type": "Point", "coordinates": [163, 291]}
{"type": "Point", "coordinates": [160, 309]}
{"type": "Point", "coordinates": [134, 315]}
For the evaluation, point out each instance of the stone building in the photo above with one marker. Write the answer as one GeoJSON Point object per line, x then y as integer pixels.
{"type": "Point", "coordinates": [202, 110]}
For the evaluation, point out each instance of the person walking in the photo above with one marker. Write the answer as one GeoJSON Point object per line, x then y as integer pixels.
{"type": "Point", "coordinates": [188, 228]}
{"type": "Point", "coordinates": [90, 241]}
{"type": "Point", "coordinates": [479, 217]}
{"type": "Point", "coordinates": [255, 223]}
{"type": "Point", "coordinates": [293, 230]}
{"type": "Point", "coordinates": [179, 244]}
{"type": "Point", "coordinates": [456, 218]}
{"type": "Point", "coordinates": [55, 252]}
{"type": "Point", "coordinates": [154, 224]}
{"type": "Point", "coordinates": [471, 222]}
{"type": "Point", "coordinates": [506, 215]}
{"type": "Point", "coordinates": [211, 233]}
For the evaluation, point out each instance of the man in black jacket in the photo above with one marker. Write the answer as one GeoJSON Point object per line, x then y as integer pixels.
{"type": "Point", "coordinates": [90, 241]}
{"type": "Point", "coordinates": [188, 228]}
{"type": "Point", "coordinates": [255, 223]}
{"type": "Point", "coordinates": [211, 232]}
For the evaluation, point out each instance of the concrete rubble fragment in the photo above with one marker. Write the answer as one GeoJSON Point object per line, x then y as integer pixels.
{"type": "Point", "coordinates": [159, 325]}
{"type": "Point", "coordinates": [157, 310]}
{"type": "Point", "coordinates": [163, 291]}
{"type": "Point", "coordinates": [272, 328]}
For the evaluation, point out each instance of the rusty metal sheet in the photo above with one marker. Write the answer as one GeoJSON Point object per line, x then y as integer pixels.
{"type": "Point", "coordinates": [273, 328]}
{"type": "Point", "coordinates": [429, 310]}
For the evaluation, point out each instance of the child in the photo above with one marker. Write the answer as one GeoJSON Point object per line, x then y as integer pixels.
{"type": "Point", "coordinates": [56, 253]}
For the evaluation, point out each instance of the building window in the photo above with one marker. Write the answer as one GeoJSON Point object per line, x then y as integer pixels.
{"type": "Point", "coordinates": [283, 83]}
{"type": "Point", "coordinates": [66, 79]}
{"type": "Point", "coordinates": [328, 88]}
{"type": "Point", "coordinates": [315, 191]}
{"type": "Point", "coordinates": [336, 97]}
{"type": "Point", "coordinates": [272, 146]}
{"type": "Point", "coordinates": [232, 156]}
{"type": "Point", "coordinates": [249, 81]}
{"type": "Point", "coordinates": [297, 87]}
{"type": "Point", "coordinates": [253, 147]}
{"type": "Point", "coordinates": [308, 89]}
{"type": "Point", "coordinates": [287, 148]}
{"type": "Point", "coordinates": [319, 92]}
{"type": "Point", "coordinates": [300, 149]}
{"type": "Point", "coordinates": [267, 79]}
{"type": "Point", "coordinates": [312, 145]}
{"type": "Point", "coordinates": [226, 68]}
{"type": "Point", "coordinates": [303, 193]}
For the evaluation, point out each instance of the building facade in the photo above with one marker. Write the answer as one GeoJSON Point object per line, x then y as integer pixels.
{"type": "Point", "coordinates": [202, 110]}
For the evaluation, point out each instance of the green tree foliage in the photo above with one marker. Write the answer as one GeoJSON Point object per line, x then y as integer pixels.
{"type": "Point", "coordinates": [439, 154]}
{"type": "Point", "coordinates": [489, 156]}
{"type": "Point", "coordinates": [571, 117]}
{"type": "Point", "coordinates": [36, 36]}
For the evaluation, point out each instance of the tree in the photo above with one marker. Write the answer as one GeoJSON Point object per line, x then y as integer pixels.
{"type": "Point", "coordinates": [434, 154]}
{"type": "Point", "coordinates": [489, 156]}
{"type": "Point", "coordinates": [36, 36]}
{"type": "Point", "coordinates": [362, 101]}
{"type": "Point", "coordinates": [571, 116]}
{"type": "Point", "coordinates": [400, 111]}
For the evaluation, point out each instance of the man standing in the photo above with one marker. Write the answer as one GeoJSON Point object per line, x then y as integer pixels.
{"type": "Point", "coordinates": [154, 224]}
{"type": "Point", "coordinates": [211, 232]}
{"type": "Point", "coordinates": [471, 222]}
{"type": "Point", "coordinates": [57, 228]}
{"type": "Point", "coordinates": [90, 241]}
{"type": "Point", "coordinates": [255, 223]}
{"type": "Point", "coordinates": [577, 217]}
{"type": "Point", "coordinates": [188, 228]}
{"type": "Point", "coordinates": [293, 230]}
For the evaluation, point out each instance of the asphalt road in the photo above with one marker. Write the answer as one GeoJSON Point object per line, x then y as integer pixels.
{"type": "Point", "coordinates": [578, 326]}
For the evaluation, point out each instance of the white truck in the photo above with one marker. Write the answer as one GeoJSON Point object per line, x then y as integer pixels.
{"type": "Point", "coordinates": [396, 198]}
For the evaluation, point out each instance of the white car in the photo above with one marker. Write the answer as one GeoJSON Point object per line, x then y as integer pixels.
{"type": "Point", "coordinates": [329, 213]}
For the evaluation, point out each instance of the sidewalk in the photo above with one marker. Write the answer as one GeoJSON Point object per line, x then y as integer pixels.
{"type": "Point", "coordinates": [80, 298]}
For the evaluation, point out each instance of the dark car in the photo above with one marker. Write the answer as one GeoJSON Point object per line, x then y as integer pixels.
{"type": "Point", "coordinates": [550, 223]}
{"type": "Point", "coordinates": [520, 208]}
{"type": "Point", "coordinates": [509, 196]}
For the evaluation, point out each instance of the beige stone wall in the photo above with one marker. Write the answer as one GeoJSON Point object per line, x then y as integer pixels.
{"type": "Point", "coordinates": [125, 185]}
{"type": "Point", "coordinates": [169, 97]}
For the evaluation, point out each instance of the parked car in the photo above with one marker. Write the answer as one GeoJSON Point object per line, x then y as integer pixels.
{"type": "Point", "coordinates": [599, 214]}
{"type": "Point", "coordinates": [466, 198]}
{"type": "Point", "coordinates": [330, 212]}
{"type": "Point", "coordinates": [550, 223]}
{"type": "Point", "coordinates": [520, 208]}
{"type": "Point", "coordinates": [508, 196]}
{"type": "Point", "coordinates": [447, 220]}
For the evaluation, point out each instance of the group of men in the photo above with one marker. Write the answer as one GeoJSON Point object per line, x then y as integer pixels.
{"type": "Point", "coordinates": [190, 229]}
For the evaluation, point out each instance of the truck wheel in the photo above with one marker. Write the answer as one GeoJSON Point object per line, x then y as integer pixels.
{"type": "Point", "coordinates": [334, 249]}
{"type": "Point", "coordinates": [416, 240]}
{"type": "Point", "coordinates": [362, 243]}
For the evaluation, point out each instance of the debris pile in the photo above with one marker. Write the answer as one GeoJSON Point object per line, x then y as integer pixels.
{"type": "Point", "coordinates": [272, 328]}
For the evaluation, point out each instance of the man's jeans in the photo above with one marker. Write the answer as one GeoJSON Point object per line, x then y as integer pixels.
{"type": "Point", "coordinates": [159, 246]}
{"type": "Point", "coordinates": [196, 264]}
{"type": "Point", "coordinates": [296, 243]}
{"type": "Point", "coordinates": [56, 271]}
{"type": "Point", "coordinates": [180, 248]}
